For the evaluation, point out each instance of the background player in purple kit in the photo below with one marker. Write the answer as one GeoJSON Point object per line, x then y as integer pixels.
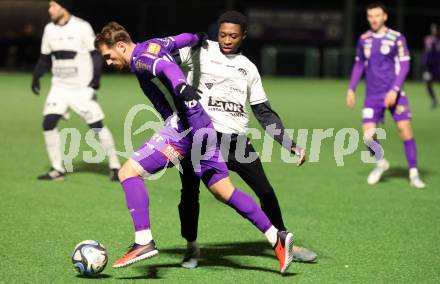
{"type": "Point", "coordinates": [149, 59]}
{"type": "Point", "coordinates": [377, 52]}
{"type": "Point", "coordinates": [431, 62]}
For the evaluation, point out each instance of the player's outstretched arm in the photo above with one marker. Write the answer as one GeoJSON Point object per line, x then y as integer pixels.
{"type": "Point", "coordinates": [43, 65]}
{"type": "Point", "coordinates": [188, 40]}
{"type": "Point", "coordinates": [271, 123]}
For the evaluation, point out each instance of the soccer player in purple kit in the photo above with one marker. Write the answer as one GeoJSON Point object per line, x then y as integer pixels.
{"type": "Point", "coordinates": [149, 59]}
{"type": "Point", "coordinates": [382, 54]}
{"type": "Point", "coordinates": [431, 62]}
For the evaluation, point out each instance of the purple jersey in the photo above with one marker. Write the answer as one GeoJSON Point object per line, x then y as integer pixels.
{"type": "Point", "coordinates": [152, 58]}
{"type": "Point", "coordinates": [384, 59]}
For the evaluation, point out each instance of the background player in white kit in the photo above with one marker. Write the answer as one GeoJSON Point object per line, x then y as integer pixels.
{"type": "Point", "coordinates": [68, 47]}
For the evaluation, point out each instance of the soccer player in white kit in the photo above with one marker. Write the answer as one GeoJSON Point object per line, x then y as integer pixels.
{"type": "Point", "coordinates": [228, 81]}
{"type": "Point", "coordinates": [68, 49]}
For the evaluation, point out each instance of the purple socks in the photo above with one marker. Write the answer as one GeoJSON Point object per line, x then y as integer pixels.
{"type": "Point", "coordinates": [136, 196]}
{"type": "Point", "coordinates": [246, 206]}
{"type": "Point", "coordinates": [411, 152]}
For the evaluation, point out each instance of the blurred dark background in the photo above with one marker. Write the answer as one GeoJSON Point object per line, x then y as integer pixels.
{"type": "Point", "coordinates": [292, 38]}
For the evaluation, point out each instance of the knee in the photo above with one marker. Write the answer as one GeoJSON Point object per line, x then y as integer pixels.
{"type": "Point", "coordinates": [222, 190]}
{"type": "Point", "coordinates": [50, 121]}
{"type": "Point", "coordinates": [405, 132]}
{"type": "Point", "coordinates": [127, 171]}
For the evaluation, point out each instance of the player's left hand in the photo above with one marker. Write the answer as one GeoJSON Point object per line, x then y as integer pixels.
{"type": "Point", "coordinates": [35, 86]}
{"type": "Point", "coordinates": [94, 84]}
{"type": "Point", "coordinates": [390, 99]}
{"type": "Point", "coordinates": [300, 153]}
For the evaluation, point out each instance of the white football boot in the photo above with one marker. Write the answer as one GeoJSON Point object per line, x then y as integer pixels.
{"type": "Point", "coordinates": [415, 180]}
{"type": "Point", "coordinates": [192, 254]}
{"type": "Point", "coordinates": [376, 173]}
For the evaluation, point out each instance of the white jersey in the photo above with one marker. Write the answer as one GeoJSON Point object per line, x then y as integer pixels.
{"type": "Point", "coordinates": [227, 83]}
{"type": "Point", "coordinates": [69, 47]}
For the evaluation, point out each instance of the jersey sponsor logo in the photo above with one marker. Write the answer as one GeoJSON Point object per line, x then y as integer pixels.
{"type": "Point", "coordinates": [65, 72]}
{"type": "Point", "coordinates": [225, 106]}
{"type": "Point", "coordinates": [171, 153]}
{"type": "Point", "coordinates": [142, 66]}
{"type": "Point", "coordinates": [242, 71]}
{"type": "Point", "coordinates": [153, 48]}
{"type": "Point", "coordinates": [391, 36]}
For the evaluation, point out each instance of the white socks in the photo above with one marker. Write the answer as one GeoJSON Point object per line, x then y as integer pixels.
{"type": "Point", "coordinates": [143, 237]}
{"type": "Point", "coordinates": [52, 139]}
{"type": "Point", "coordinates": [271, 235]}
{"type": "Point", "coordinates": [106, 139]}
{"type": "Point", "coordinates": [413, 172]}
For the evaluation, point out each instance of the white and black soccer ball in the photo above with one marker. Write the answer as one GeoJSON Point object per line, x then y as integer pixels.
{"type": "Point", "coordinates": [89, 257]}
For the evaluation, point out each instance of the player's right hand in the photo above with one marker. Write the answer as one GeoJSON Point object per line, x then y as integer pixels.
{"type": "Point", "coordinates": [351, 99]}
{"type": "Point", "coordinates": [203, 37]}
{"type": "Point", "coordinates": [35, 86]}
{"type": "Point", "coordinates": [188, 92]}
{"type": "Point", "coordinates": [300, 153]}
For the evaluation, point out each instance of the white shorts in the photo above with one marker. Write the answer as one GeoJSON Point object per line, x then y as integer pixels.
{"type": "Point", "coordinates": [81, 101]}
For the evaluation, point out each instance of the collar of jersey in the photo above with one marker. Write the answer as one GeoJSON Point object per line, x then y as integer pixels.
{"type": "Point", "coordinates": [377, 35]}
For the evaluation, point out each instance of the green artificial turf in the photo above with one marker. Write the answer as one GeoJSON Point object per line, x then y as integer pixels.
{"type": "Point", "coordinates": [363, 234]}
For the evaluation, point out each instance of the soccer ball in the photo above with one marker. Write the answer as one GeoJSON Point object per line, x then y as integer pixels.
{"type": "Point", "coordinates": [89, 258]}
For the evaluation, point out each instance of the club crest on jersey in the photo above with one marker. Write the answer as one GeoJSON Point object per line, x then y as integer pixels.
{"type": "Point", "coordinates": [385, 49]}
{"type": "Point", "coordinates": [153, 48]}
{"type": "Point", "coordinates": [209, 85]}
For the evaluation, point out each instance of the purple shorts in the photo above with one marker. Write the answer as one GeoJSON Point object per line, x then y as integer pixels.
{"type": "Point", "coordinates": [172, 144]}
{"type": "Point", "coordinates": [374, 109]}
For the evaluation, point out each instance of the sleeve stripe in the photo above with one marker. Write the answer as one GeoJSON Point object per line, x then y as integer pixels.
{"type": "Point", "coordinates": [154, 66]}
{"type": "Point", "coordinates": [258, 101]}
{"type": "Point", "coordinates": [404, 58]}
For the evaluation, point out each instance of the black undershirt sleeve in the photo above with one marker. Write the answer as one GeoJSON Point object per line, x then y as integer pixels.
{"type": "Point", "coordinates": [268, 117]}
{"type": "Point", "coordinates": [97, 69]}
{"type": "Point", "coordinates": [43, 65]}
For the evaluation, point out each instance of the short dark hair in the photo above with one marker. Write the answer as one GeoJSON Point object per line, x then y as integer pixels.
{"type": "Point", "coordinates": [380, 5]}
{"type": "Point", "coordinates": [111, 34]}
{"type": "Point", "coordinates": [234, 17]}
